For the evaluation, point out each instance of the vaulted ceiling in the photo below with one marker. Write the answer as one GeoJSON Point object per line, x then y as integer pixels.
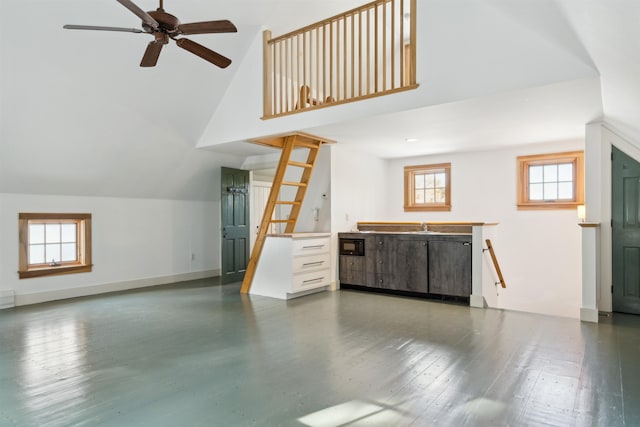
{"type": "Point", "coordinates": [78, 116]}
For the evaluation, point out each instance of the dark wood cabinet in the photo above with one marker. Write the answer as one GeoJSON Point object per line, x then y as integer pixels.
{"type": "Point", "coordinates": [382, 263]}
{"type": "Point", "coordinates": [352, 270]}
{"type": "Point", "coordinates": [450, 267]}
{"type": "Point", "coordinates": [411, 265]}
{"type": "Point", "coordinates": [419, 263]}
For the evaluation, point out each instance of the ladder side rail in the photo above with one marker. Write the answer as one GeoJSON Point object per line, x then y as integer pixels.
{"type": "Point", "coordinates": [268, 213]}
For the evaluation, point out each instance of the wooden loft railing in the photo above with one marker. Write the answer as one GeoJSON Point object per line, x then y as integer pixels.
{"type": "Point", "coordinates": [365, 52]}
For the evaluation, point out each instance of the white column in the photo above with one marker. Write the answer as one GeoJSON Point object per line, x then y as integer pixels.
{"type": "Point", "coordinates": [590, 271]}
{"type": "Point", "coordinates": [477, 244]}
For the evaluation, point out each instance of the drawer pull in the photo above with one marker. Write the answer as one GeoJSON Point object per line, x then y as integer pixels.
{"type": "Point", "coordinates": [318, 279]}
{"type": "Point", "coordinates": [313, 247]}
{"type": "Point", "coordinates": [306, 264]}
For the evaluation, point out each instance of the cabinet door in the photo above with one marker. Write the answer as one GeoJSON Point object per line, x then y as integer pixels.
{"type": "Point", "coordinates": [449, 267]}
{"type": "Point", "coordinates": [352, 270]}
{"type": "Point", "coordinates": [379, 261]}
{"type": "Point", "coordinates": [384, 255]}
{"type": "Point", "coordinates": [411, 267]}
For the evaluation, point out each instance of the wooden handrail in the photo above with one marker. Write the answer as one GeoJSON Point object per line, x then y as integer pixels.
{"type": "Point", "coordinates": [495, 263]}
{"type": "Point", "coordinates": [364, 52]}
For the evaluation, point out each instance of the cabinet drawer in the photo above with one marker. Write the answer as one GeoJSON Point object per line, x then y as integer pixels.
{"type": "Point", "coordinates": [355, 263]}
{"type": "Point", "coordinates": [311, 262]}
{"type": "Point", "coordinates": [311, 246]}
{"type": "Point", "coordinates": [311, 279]}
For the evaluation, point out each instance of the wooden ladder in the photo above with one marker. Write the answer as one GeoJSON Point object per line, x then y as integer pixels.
{"type": "Point", "coordinates": [287, 143]}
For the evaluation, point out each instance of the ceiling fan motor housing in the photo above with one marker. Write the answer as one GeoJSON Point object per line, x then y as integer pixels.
{"type": "Point", "coordinates": [167, 22]}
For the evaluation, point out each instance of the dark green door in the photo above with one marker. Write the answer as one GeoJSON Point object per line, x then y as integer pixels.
{"type": "Point", "coordinates": [235, 223]}
{"type": "Point", "coordinates": [625, 214]}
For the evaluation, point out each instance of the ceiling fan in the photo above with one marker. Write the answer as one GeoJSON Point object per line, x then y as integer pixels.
{"type": "Point", "coordinates": [164, 26]}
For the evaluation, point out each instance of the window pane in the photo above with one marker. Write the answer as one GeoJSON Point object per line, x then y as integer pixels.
{"type": "Point", "coordinates": [565, 172]}
{"type": "Point", "coordinates": [428, 180]}
{"type": "Point", "coordinates": [68, 252]}
{"type": "Point", "coordinates": [440, 180]}
{"type": "Point", "coordinates": [550, 173]}
{"type": "Point", "coordinates": [419, 181]}
{"type": "Point", "coordinates": [429, 196]}
{"type": "Point", "coordinates": [36, 253]}
{"type": "Point", "coordinates": [52, 253]}
{"type": "Point", "coordinates": [565, 191]}
{"type": "Point", "coordinates": [440, 195]}
{"type": "Point", "coordinates": [535, 192]}
{"type": "Point", "coordinates": [52, 233]}
{"type": "Point", "coordinates": [36, 233]}
{"type": "Point", "coordinates": [535, 174]}
{"type": "Point", "coordinates": [68, 232]}
{"type": "Point", "coordinates": [419, 196]}
{"type": "Point", "coordinates": [550, 191]}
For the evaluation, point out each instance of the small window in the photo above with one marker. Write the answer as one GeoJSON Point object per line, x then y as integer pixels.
{"type": "Point", "coordinates": [427, 187]}
{"type": "Point", "coordinates": [551, 181]}
{"type": "Point", "coordinates": [53, 244]}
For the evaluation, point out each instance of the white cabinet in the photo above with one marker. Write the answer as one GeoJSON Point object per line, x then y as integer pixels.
{"type": "Point", "coordinates": [293, 265]}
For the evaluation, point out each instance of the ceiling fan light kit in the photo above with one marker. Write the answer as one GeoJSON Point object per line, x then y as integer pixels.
{"type": "Point", "coordinates": [164, 26]}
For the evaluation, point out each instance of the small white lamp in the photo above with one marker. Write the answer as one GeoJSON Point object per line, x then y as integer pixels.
{"type": "Point", "coordinates": [582, 213]}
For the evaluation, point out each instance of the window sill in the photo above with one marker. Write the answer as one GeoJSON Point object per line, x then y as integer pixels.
{"type": "Point", "coordinates": [55, 271]}
{"type": "Point", "coordinates": [431, 208]}
{"type": "Point", "coordinates": [548, 205]}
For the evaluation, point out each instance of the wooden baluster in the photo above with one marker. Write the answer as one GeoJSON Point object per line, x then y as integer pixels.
{"type": "Point", "coordinates": [412, 72]}
{"type": "Point", "coordinates": [403, 82]}
{"type": "Point", "coordinates": [393, 44]}
{"type": "Point", "coordinates": [384, 46]}
{"type": "Point", "coordinates": [267, 67]}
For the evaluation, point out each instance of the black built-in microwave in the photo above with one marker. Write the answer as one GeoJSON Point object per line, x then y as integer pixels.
{"type": "Point", "coordinates": [350, 246]}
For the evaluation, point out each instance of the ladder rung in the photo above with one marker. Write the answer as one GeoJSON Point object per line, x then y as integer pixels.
{"type": "Point", "coordinates": [282, 220]}
{"type": "Point", "coordinates": [300, 164]}
{"type": "Point", "coordinates": [294, 184]}
{"type": "Point", "coordinates": [287, 202]}
{"type": "Point", "coordinates": [307, 144]}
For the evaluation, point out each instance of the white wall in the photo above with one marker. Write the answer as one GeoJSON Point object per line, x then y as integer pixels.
{"type": "Point", "coordinates": [539, 251]}
{"type": "Point", "coordinates": [358, 188]}
{"type": "Point", "coordinates": [135, 243]}
{"type": "Point", "coordinates": [318, 195]}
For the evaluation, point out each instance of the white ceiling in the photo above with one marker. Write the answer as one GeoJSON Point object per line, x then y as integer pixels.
{"type": "Point", "coordinates": [555, 112]}
{"type": "Point", "coordinates": [78, 116]}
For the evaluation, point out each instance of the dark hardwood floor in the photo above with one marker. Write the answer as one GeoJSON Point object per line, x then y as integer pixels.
{"type": "Point", "coordinates": [199, 354]}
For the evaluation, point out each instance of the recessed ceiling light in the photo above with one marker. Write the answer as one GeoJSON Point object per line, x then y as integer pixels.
{"type": "Point", "coordinates": [411, 139]}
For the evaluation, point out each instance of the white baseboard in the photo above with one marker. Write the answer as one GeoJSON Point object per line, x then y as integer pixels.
{"type": "Point", "coordinates": [477, 301]}
{"type": "Point", "coordinates": [589, 315]}
{"type": "Point", "coordinates": [39, 297]}
{"type": "Point", "coordinates": [7, 299]}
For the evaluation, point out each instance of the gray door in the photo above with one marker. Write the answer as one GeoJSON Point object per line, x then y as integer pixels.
{"type": "Point", "coordinates": [625, 215]}
{"type": "Point", "coordinates": [235, 224]}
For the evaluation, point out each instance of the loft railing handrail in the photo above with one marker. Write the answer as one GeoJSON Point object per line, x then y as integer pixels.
{"type": "Point", "coordinates": [494, 259]}
{"type": "Point", "coordinates": [327, 21]}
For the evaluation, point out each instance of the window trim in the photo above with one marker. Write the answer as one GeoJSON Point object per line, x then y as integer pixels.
{"type": "Point", "coordinates": [409, 188]}
{"type": "Point", "coordinates": [84, 245]}
{"type": "Point", "coordinates": [523, 163]}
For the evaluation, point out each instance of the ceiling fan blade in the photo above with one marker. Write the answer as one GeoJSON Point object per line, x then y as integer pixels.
{"type": "Point", "coordinates": [204, 53]}
{"type": "Point", "coordinates": [146, 18]}
{"type": "Point", "coordinates": [150, 57]}
{"type": "Point", "coordinates": [207, 27]}
{"type": "Point", "coordinates": [99, 28]}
